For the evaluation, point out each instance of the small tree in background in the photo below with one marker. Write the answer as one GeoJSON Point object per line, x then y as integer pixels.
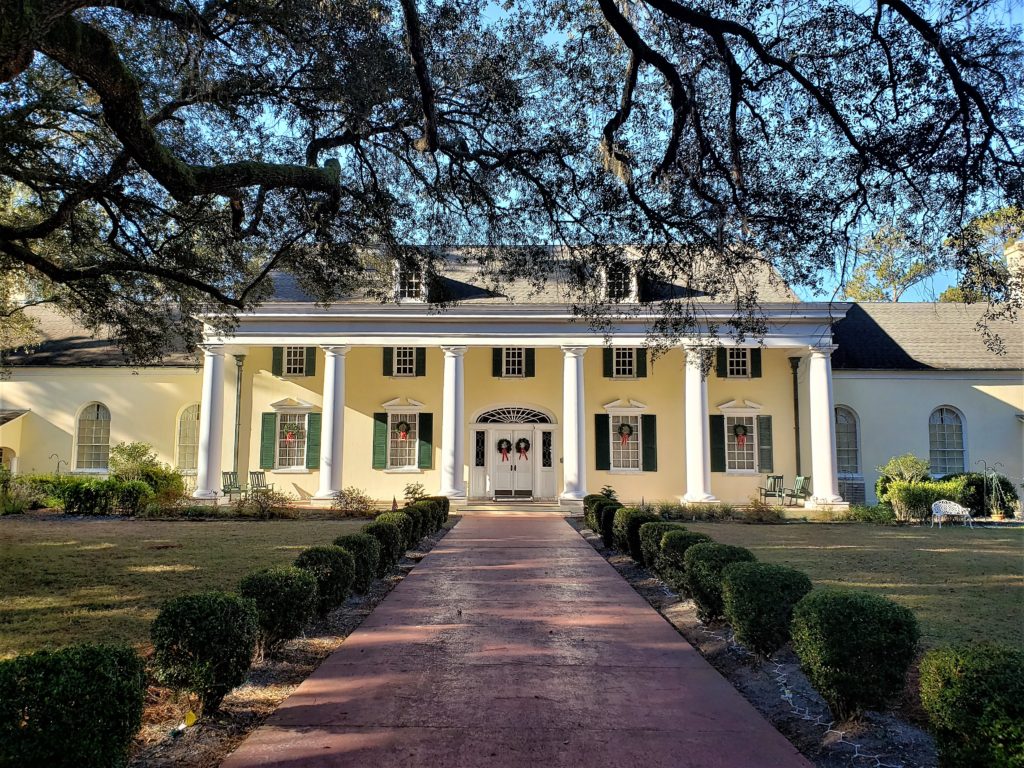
{"type": "Point", "coordinates": [130, 461]}
{"type": "Point", "coordinates": [889, 263]}
{"type": "Point", "coordinates": [978, 253]}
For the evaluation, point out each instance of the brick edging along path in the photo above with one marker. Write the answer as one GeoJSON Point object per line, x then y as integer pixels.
{"type": "Point", "coordinates": [514, 643]}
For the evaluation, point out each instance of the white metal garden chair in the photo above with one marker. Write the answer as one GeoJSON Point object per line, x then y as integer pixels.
{"type": "Point", "coordinates": [943, 508]}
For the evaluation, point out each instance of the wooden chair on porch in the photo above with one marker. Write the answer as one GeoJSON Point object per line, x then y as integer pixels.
{"type": "Point", "coordinates": [772, 488]}
{"type": "Point", "coordinates": [800, 491]}
{"type": "Point", "coordinates": [258, 482]}
{"type": "Point", "coordinates": [230, 485]}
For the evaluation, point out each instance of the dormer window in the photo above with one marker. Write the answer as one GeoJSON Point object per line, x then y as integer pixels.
{"type": "Point", "coordinates": [408, 283]}
{"type": "Point", "coordinates": [620, 284]}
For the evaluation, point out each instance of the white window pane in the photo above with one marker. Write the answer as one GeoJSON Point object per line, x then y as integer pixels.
{"type": "Point", "coordinates": [946, 442]}
{"type": "Point", "coordinates": [402, 440]}
{"type": "Point", "coordinates": [624, 362]}
{"type": "Point", "coordinates": [620, 282]}
{"type": "Point", "coordinates": [514, 358]}
{"type": "Point", "coordinates": [847, 449]}
{"type": "Point", "coordinates": [738, 360]}
{"type": "Point", "coordinates": [405, 361]}
{"type": "Point", "coordinates": [740, 444]}
{"type": "Point", "coordinates": [291, 440]}
{"type": "Point", "coordinates": [625, 442]}
{"type": "Point", "coordinates": [93, 437]}
{"type": "Point", "coordinates": [410, 284]}
{"type": "Point", "coordinates": [295, 361]}
{"type": "Point", "coordinates": [188, 440]}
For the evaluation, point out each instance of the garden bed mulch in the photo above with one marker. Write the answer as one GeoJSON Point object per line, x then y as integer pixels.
{"type": "Point", "coordinates": [164, 743]}
{"type": "Point", "coordinates": [780, 691]}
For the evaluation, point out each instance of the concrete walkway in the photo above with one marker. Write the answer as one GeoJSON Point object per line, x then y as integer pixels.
{"type": "Point", "coordinates": [514, 643]}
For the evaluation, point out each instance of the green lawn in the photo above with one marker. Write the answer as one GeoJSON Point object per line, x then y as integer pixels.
{"type": "Point", "coordinates": [67, 581]}
{"type": "Point", "coordinates": [964, 585]}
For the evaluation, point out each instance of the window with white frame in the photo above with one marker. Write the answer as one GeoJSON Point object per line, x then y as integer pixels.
{"type": "Point", "coordinates": [619, 282]}
{"type": "Point", "coordinates": [188, 440]}
{"type": "Point", "coordinates": [847, 447]}
{"type": "Point", "coordinates": [625, 442]}
{"type": "Point", "coordinates": [93, 441]}
{"type": "Point", "coordinates": [738, 363]}
{"type": "Point", "coordinates": [403, 429]}
{"type": "Point", "coordinates": [624, 362]}
{"type": "Point", "coordinates": [513, 361]}
{"type": "Point", "coordinates": [291, 440]}
{"type": "Point", "coordinates": [409, 283]}
{"type": "Point", "coordinates": [946, 441]}
{"type": "Point", "coordinates": [740, 450]}
{"type": "Point", "coordinates": [294, 361]}
{"type": "Point", "coordinates": [405, 361]}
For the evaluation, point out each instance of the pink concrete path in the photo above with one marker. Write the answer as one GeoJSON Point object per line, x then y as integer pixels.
{"type": "Point", "coordinates": [514, 643]}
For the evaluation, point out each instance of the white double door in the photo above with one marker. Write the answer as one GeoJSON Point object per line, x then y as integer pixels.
{"type": "Point", "coordinates": [512, 470]}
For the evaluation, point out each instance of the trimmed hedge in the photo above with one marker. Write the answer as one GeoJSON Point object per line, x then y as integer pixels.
{"type": "Point", "coordinates": [432, 514]}
{"type": "Point", "coordinates": [92, 497]}
{"type": "Point", "coordinates": [854, 647]}
{"type": "Point", "coordinates": [285, 598]}
{"type": "Point", "coordinates": [974, 697]}
{"type": "Point", "coordinates": [366, 553]}
{"type": "Point", "coordinates": [758, 601]}
{"type": "Point", "coordinates": [406, 524]}
{"type": "Point", "coordinates": [204, 644]}
{"type": "Point", "coordinates": [131, 497]}
{"type": "Point", "coordinates": [444, 503]}
{"type": "Point", "coordinates": [912, 501]}
{"type": "Point", "coordinates": [650, 540]}
{"type": "Point", "coordinates": [421, 522]}
{"type": "Point", "coordinates": [392, 545]}
{"type": "Point", "coordinates": [334, 570]}
{"type": "Point", "coordinates": [671, 561]}
{"type": "Point", "coordinates": [79, 706]}
{"type": "Point", "coordinates": [979, 491]}
{"type": "Point", "coordinates": [703, 566]}
{"type": "Point", "coordinates": [626, 530]}
{"type": "Point", "coordinates": [604, 513]}
{"type": "Point", "coordinates": [588, 509]}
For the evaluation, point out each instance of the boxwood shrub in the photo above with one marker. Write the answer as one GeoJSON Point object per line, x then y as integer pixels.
{"type": "Point", "coordinates": [974, 697]}
{"type": "Point", "coordinates": [79, 706]}
{"type": "Point", "coordinates": [204, 644]}
{"type": "Point", "coordinates": [671, 561]}
{"type": "Point", "coordinates": [604, 513]}
{"type": "Point", "coordinates": [912, 501]}
{"type": "Point", "coordinates": [405, 523]}
{"type": "Point", "coordinates": [392, 545]}
{"type": "Point", "coordinates": [981, 496]}
{"type": "Point", "coordinates": [854, 647]}
{"type": "Point", "coordinates": [334, 570]}
{"type": "Point", "coordinates": [365, 551]}
{"type": "Point", "coordinates": [420, 522]}
{"type": "Point", "coordinates": [92, 497]}
{"type": "Point", "coordinates": [588, 509]}
{"type": "Point", "coordinates": [131, 497]}
{"type": "Point", "coordinates": [285, 598]}
{"type": "Point", "coordinates": [758, 601]}
{"type": "Point", "coordinates": [626, 530]}
{"type": "Point", "coordinates": [444, 503]}
{"type": "Point", "coordinates": [702, 574]}
{"type": "Point", "coordinates": [650, 540]}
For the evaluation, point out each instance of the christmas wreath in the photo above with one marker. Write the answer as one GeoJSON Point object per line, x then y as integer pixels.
{"type": "Point", "coordinates": [403, 429]}
{"type": "Point", "coordinates": [523, 448]}
{"type": "Point", "coordinates": [504, 446]}
{"type": "Point", "coordinates": [740, 431]}
{"type": "Point", "coordinates": [625, 431]}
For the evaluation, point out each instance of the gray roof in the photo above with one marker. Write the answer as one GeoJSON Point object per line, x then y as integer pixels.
{"type": "Point", "coordinates": [924, 336]}
{"type": "Point", "coordinates": [65, 341]}
{"type": "Point", "coordinates": [10, 414]}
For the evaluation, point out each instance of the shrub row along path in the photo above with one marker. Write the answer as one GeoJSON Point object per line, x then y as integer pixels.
{"type": "Point", "coordinates": [514, 643]}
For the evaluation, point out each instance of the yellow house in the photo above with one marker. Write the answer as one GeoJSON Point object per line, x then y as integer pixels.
{"type": "Point", "coordinates": [512, 396]}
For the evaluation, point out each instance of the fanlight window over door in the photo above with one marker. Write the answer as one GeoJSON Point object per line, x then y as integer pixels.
{"type": "Point", "coordinates": [513, 416]}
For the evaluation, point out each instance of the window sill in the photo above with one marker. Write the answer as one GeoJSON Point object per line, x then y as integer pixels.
{"type": "Point", "coordinates": [625, 471]}
{"type": "Point", "coordinates": [743, 472]}
{"type": "Point", "coordinates": [103, 471]}
{"type": "Point", "coordinates": [404, 471]}
{"type": "Point", "coordinates": [292, 471]}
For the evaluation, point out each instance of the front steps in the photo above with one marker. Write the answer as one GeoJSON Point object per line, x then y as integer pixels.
{"type": "Point", "coordinates": [517, 507]}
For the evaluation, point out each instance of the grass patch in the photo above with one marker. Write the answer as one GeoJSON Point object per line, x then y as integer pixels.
{"type": "Point", "coordinates": [90, 580]}
{"type": "Point", "coordinates": [963, 585]}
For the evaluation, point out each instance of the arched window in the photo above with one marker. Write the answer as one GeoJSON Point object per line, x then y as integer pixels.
{"type": "Point", "coordinates": [93, 437]}
{"type": "Point", "coordinates": [946, 441]}
{"type": "Point", "coordinates": [188, 440]}
{"type": "Point", "coordinates": [847, 444]}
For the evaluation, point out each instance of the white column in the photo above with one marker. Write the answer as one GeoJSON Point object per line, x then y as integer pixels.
{"type": "Point", "coordinates": [574, 433]}
{"type": "Point", "coordinates": [332, 425]}
{"type": "Point", "coordinates": [698, 438]}
{"type": "Point", "coordinates": [823, 433]}
{"type": "Point", "coordinates": [211, 424]}
{"type": "Point", "coordinates": [453, 427]}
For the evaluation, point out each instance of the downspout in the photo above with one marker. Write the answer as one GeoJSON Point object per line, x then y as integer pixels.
{"type": "Point", "coordinates": [239, 362]}
{"type": "Point", "coordinates": [794, 365]}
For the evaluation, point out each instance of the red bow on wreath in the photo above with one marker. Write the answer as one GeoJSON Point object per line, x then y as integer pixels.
{"type": "Point", "coordinates": [503, 448]}
{"type": "Point", "coordinates": [403, 430]}
{"type": "Point", "coordinates": [625, 432]}
{"type": "Point", "coordinates": [289, 437]}
{"type": "Point", "coordinates": [523, 447]}
{"type": "Point", "coordinates": [741, 435]}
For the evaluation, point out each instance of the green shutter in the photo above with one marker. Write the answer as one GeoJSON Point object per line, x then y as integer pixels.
{"type": "Point", "coordinates": [311, 361]}
{"type": "Point", "coordinates": [530, 362]}
{"type": "Point", "coordinates": [268, 439]}
{"type": "Point", "coordinates": [716, 428]}
{"type": "Point", "coordinates": [277, 361]}
{"type": "Point", "coordinates": [496, 362]}
{"type": "Point", "coordinates": [721, 366]}
{"type": "Point", "coordinates": [380, 440]}
{"type": "Point", "coordinates": [389, 361]}
{"type": "Point", "coordinates": [313, 440]}
{"type": "Point", "coordinates": [649, 449]}
{"type": "Point", "coordinates": [602, 434]}
{"type": "Point", "coordinates": [755, 363]}
{"type": "Point", "coordinates": [421, 361]}
{"type": "Point", "coordinates": [426, 441]}
{"type": "Point", "coordinates": [641, 363]}
{"type": "Point", "coordinates": [765, 461]}
{"type": "Point", "coordinates": [608, 362]}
